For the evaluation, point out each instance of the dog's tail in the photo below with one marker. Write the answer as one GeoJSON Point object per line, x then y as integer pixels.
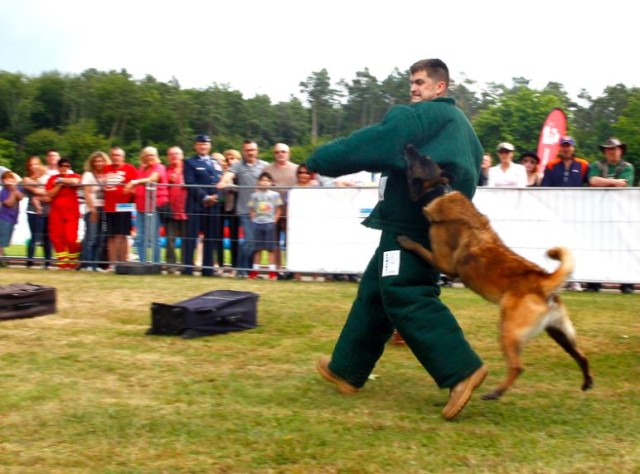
{"type": "Point", "coordinates": [556, 279]}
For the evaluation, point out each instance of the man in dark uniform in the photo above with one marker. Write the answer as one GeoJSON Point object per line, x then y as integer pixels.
{"type": "Point", "coordinates": [201, 174]}
{"type": "Point", "coordinates": [398, 288]}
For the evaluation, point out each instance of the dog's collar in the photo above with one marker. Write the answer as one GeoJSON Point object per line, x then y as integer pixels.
{"type": "Point", "coordinates": [434, 193]}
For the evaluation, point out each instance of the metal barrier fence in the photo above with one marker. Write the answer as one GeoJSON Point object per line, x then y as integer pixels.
{"type": "Point", "coordinates": [323, 234]}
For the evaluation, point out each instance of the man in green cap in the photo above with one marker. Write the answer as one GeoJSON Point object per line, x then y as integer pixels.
{"type": "Point", "coordinates": [398, 288]}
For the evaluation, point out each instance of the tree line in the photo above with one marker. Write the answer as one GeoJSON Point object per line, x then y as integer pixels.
{"type": "Point", "coordinates": [78, 114]}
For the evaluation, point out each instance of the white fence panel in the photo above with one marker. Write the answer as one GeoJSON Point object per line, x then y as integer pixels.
{"type": "Point", "coordinates": [600, 226]}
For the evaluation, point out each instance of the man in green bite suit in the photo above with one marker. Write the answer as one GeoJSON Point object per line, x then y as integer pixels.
{"type": "Point", "coordinates": [398, 288]}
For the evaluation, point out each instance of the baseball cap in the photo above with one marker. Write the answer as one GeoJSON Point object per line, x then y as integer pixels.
{"type": "Point", "coordinates": [505, 146]}
{"type": "Point", "coordinates": [203, 138]}
{"type": "Point", "coordinates": [567, 140]}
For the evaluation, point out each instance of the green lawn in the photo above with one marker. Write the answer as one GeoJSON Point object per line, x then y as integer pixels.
{"type": "Point", "coordinates": [85, 390]}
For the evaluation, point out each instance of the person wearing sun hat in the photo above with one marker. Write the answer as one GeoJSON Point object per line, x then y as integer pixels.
{"type": "Point", "coordinates": [611, 172]}
{"type": "Point", "coordinates": [566, 170]}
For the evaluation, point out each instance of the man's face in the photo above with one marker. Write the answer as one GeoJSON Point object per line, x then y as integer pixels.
{"type": "Point", "coordinates": [202, 148]}
{"type": "Point", "coordinates": [566, 150]}
{"type": "Point", "coordinates": [174, 155]}
{"type": "Point", "coordinates": [424, 88]}
{"type": "Point", "coordinates": [117, 157]}
{"type": "Point", "coordinates": [52, 158]}
{"type": "Point", "coordinates": [281, 154]}
{"type": "Point", "coordinates": [613, 155]}
{"type": "Point", "coordinates": [250, 152]}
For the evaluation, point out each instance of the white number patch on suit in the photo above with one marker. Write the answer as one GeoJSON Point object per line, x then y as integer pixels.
{"type": "Point", "coordinates": [391, 263]}
{"type": "Point", "coordinates": [381, 186]}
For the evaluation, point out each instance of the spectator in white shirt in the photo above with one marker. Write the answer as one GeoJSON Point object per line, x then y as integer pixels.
{"type": "Point", "coordinates": [507, 174]}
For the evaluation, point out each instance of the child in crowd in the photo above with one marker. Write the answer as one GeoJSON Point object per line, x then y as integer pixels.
{"type": "Point", "coordinates": [10, 197]}
{"type": "Point", "coordinates": [265, 208]}
{"type": "Point", "coordinates": [39, 176]}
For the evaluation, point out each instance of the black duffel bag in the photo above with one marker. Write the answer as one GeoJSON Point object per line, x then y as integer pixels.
{"type": "Point", "coordinates": [215, 312]}
{"type": "Point", "coordinates": [26, 300]}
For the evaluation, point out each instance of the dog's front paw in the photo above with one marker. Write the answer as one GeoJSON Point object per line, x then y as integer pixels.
{"type": "Point", "coordinates": [406, 242]}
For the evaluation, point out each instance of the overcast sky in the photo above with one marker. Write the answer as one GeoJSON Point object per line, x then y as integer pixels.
{"type": "Point", "coordinates": [269, 46]}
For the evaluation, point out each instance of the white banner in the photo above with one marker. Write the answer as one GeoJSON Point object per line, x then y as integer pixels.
{"type": "Point", "coordinates": [324, 231]}
{"type": "Point", "coordinates": [601, 226]}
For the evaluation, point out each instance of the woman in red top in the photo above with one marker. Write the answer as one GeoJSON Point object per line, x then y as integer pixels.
{"type": "Point", "coordinates": [176, 220]}
{"type": "Point", "coordinates": [151, 171]}
{"type": "Point", "coordinates": [64, 215]}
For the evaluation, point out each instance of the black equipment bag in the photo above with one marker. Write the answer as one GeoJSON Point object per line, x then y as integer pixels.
{"type": "Point", "coordinates": [26, 300]}
{"type": "Point", "coordinates": [138, 269]}
{"type": "Point", "coordinates": [215, 312]}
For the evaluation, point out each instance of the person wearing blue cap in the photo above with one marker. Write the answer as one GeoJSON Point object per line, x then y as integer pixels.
{"type": "Point", "coordinates": [201, 174]}
{"type": "Point", "coordinates": [566, 170]}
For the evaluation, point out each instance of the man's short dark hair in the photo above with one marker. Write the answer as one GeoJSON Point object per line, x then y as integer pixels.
{"type": "Point", "coordinates": [435, 68]}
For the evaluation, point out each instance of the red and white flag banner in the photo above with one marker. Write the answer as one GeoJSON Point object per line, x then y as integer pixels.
{"type": "Point", "coordinates": [555, 126]}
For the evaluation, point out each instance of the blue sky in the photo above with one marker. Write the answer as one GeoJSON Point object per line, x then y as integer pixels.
{"type": "Point", "coordinates": [260, 47]}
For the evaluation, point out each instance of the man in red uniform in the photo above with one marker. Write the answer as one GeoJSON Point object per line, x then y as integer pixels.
{"type": "Point", "coordinates": [118, 174]}
{"type": "Point", "coordinates": [64, 215]}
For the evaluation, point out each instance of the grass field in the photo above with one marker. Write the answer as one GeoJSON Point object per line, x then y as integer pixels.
{"type": "Point", "coordinates": [86, 391]}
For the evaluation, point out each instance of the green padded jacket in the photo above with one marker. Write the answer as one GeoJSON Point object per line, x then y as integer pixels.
{"type": "Point", "coordinates": [438, 128]}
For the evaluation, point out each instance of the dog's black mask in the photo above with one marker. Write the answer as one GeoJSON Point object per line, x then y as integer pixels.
{"type": "Point", "coordinates": [425, 178]}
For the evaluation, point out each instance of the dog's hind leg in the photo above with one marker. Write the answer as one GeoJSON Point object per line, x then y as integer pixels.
{"type": "Point", "coordinates": [520, 317]}
{"type": "Point", "coordinates": [511, 348]}
{"type": "Point", "coordinates": [561, 330]}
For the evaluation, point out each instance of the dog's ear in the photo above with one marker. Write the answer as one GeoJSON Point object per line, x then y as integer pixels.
{"type": "Point", "coordinates": [422, 173]}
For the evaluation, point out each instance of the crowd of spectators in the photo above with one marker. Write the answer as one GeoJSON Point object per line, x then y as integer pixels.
{"type": "Point", "coordinates": [210, 211]}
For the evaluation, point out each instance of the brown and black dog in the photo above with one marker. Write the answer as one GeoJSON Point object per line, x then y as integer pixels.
{"type": "Point", "coordinates": [464, 245]}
